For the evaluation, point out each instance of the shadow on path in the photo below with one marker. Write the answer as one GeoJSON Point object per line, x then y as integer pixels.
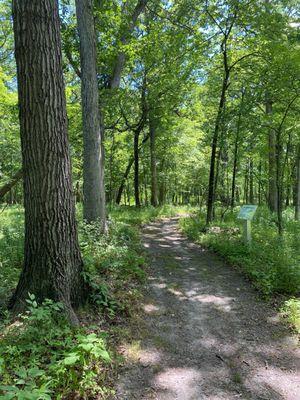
{"type": "Point", "coordinates": [205, 334]}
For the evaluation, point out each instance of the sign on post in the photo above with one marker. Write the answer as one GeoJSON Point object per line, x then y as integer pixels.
{"type": "Point", "coordinates": [246, 214]}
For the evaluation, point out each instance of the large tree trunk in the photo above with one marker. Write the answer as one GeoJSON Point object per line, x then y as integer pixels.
{"type": "Point", "coordinates": [93, 150]}
{"type": "Point", "coordinates": [152, 132]}
{"type": "Point", "coordinates": [297, 204]}
{"type": "Point", "coordinates": [273, 193]}
{"type": "Point", "coordinates": [52, 264]}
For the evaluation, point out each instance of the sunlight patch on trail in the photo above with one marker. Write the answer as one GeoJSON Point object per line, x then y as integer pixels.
{"type": "Point", "coordinates": [221, 302]}
{"type": "Point", "coordinates": [287, 383]}
{"type": "Point", "coordinates": [182, 383]}
{"type": "Point", "coordinates": [151, 308]}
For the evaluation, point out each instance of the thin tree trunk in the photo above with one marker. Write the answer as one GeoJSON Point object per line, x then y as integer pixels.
{"type": "Point", "coordinates": [161, 189]}
{"type": "Point", "coordinates": [78, 195]}
{"type": "Point", "coordinates": [111, 162]}
{"type": "Point", "coordinates": [219, 118]}
{"type": "Point", "coordinates": [279, 181]}
{"type": "Point", "coordinates": [216, 181]}
{"type": "Point", "coordinates": [136, 169]}
{"type": "Point", "coordinates": [52, 261]}
{"type": "Point", "coordinates": [8, 186]}
{"type": "Point", "coordinates": [246, 184]}
{"type": "Point", "coordinates": [236, 150]}
{"type": "Point", "coordinates": [120, 60]}
{"type": "Point", "coordinates": [93, 131]}
{"type": "Point", "coordinates": [127, 171]}
{"type": "Point", "coordinates": [259, 182]}
{"type": "Point", "coordinates": [297, 204]}
{"type": "Point", "coordinates": [251, 182]}
{"type": "Point", "coordinates": [211, 183]}
{"type": "Point", "coordinates": [124, 178]}
{"type": "Point", "coordinates": [273, 193]}
{"type": "Point", "coordinates": [234, 170]}
{"type": "Point", "coordinates": [288, 186]}
{"type": "Point", "coordinates": [128, 193]}
{"type": "Point", "coordinates": [152, 131]}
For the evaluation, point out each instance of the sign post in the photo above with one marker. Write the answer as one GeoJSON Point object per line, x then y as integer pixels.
{"type": "Point", "coordinates": [246, 214]}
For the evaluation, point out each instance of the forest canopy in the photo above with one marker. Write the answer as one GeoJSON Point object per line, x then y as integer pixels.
{"type": "Point", "coordinates": [114, 113]}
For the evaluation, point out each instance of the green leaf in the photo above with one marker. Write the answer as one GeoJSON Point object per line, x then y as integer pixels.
{"type": "Point", "coordinates": [71, 359]}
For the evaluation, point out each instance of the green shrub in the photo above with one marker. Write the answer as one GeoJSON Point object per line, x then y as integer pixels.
{"type": "Point", "coordinates": [113, 263]}
{"type": "Point", "coordinates": [291, 312]}
{"type": "Point", "coordinates": [11, 251]}
{"type": "Point", "coordinates": [42, 355]}
{"type": "Point", "coordinates": [272, 262]}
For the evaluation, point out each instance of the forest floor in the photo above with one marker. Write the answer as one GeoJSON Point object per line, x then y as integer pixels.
{"type": "Point", "coordinates": [204, 332]}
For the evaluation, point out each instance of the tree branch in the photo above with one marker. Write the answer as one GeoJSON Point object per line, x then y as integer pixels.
{"type": "Point", "coordinates": [120, 60]}
{"type": "Point", "coordinates": [72, 62]}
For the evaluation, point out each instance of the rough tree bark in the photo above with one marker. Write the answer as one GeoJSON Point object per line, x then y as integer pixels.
{"type": "Point", "coordinates": [52, 261]}
{"type": "Point", "coordinates": [93, 149]}
{"type": "Point", "coordinates": [152, 134]}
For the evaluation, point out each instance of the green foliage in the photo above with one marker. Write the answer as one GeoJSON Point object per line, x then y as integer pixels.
{"type": "Point", "coordinates": [41, 355]}
{"type": "Point", "coordinates": [291, 312]}
{"type": "Point", "coordinates": [112, 263]}
{"type": "Point", "coordinates": [173, 69]}
{"type": "Point", "coordinates": [9, 129]}
{"type": "Point", "coordinates": [271, 262]}
{"type": "Point", "coordinates": [11, 250]}
{"type": "Point", "coordinates": [115, 262]}
{"type": "Point", "coordinates": [143, 215]}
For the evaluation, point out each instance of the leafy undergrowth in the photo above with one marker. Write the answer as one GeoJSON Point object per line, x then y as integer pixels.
{"type": "Point", "coordinates": [41, 355]}
{"type": "Point", "coordinates": [272, 263]}
{"type": "Point", "coordinates": [147, 214]}
{"type": "Point", "coordinates": [291, 312]}
{"type": "Point", "coordinates": [11, 250]}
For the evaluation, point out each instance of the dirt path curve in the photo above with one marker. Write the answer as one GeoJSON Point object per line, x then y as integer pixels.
{"type": "Point", "coordinates": [206, 334]}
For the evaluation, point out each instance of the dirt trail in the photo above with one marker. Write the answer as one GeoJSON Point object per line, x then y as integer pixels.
{"type": "Point", "coordinates": [206, 334]}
